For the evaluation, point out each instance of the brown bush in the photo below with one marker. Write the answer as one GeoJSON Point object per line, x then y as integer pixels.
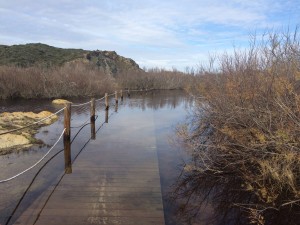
{"type": "Point", "coordinates": [154, 79]}
{"type": "Point", "coordinates": [78, 79]}
{"type": "Point", "coordinates": [249, 126]}
{"type": "Point", "coordinates": [69, 80]}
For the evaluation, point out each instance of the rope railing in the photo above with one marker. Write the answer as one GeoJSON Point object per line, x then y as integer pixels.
{"type": "Point", "coordinates": [110, 94]}
{"type": "Point", "coordinates": [34, 165]}
{"type": "Point", "coordinates": [81, 109]}
{"type": "Point", "coordinates": [66, 137]}
{"type": "Point", "coordinates": [67, 127]}
{"type": "Point", "coordinates": [73, 105]}
{"type": "Point", "coordinates": [96, 100]}
{"type": "Point", "coordinates": [39, 121]}
{"type": "Point", "coordinates": [40, 169]}
{"type": "Point", "coordinates": [77, 105]}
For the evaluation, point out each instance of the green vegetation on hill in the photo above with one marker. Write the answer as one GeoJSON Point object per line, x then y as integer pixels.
{"type": "Point", "coordinates": [41, 54]}
{"type": "Point", "coordinates": [47, 56]}
{"type": "Point", "coordinates": [42, 71]}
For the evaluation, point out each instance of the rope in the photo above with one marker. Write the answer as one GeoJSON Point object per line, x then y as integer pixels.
{"type": "Point", "coordinates": [19, 174]}
{"type": "Point", "coordinates": [76, 105]}
{"type": "Point", "coordinates": [29, 186]}
{"type": "Point", "coordinates": [99, 99]}
{"type": "Point", "coordinates": [34, 165]}
{"type": "Point", "coordinates": [111, 94]}
{"type": "Point", "coordinates": [21, 128]}
{"type": "Point", "coordinates": [17, 206]}
{"type": "Point", "coordinates": [81, 109]}
{"type": "Point", "coordinates": [50, 195]}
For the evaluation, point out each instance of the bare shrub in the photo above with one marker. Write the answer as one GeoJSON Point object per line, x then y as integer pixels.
{"type": "Point", "coordinates": [249, 126]}
{"type": "Point", "coordinates": [68, 80]}
{"type": "Point", "coordinates": [154, 79]}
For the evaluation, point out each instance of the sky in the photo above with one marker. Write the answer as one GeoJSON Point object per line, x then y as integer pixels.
{"type": "Point", "coordinates": [155, 33]}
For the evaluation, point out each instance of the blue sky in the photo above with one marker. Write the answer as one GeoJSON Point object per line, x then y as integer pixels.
{"type": "Point", "coordinates": [177, 33]}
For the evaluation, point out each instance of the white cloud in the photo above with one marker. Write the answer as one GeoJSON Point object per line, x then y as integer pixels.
{"type": "Point", "coordinates": [153, 31]}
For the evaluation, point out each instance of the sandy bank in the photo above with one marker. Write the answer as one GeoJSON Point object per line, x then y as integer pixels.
{"type": "Point", "coordinates": [23, 138]}
{"type": "Point", "coordinates": [60, 101]}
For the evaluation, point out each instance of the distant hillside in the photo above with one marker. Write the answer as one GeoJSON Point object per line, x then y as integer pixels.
{"type": "Point", "coordinates": [45, 55]}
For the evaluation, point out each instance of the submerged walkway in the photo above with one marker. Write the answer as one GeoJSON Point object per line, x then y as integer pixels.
{"type": "Point", "coordinates": [115, 180]}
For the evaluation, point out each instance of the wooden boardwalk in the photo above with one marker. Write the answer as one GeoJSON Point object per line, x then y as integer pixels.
{"type": "Point", "coordinates": [115, 180]}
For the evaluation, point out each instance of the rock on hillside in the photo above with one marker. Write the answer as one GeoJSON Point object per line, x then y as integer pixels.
{"type": "Point", "coordinates": [44, 55]}
{"type": "Point", "coordinates": [110, 61]}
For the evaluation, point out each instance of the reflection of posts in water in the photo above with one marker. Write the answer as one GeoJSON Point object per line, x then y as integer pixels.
{"type": "Point", "coordinates": [92, 119]}
{"type": "Point", "coordinates": [121, 95]}
{"type": "Point", "coordinates": [106, 116]}
{"type": "Point", "coordinates": [67, 138]}
{"type": "Point", "coordinates": [116, 97]}
{"type": "Point", "coordinates": [68, 162]}
{"type": "Point", "coordinates": [106, 101]}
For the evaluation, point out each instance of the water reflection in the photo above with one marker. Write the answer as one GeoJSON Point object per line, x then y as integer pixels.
{"type": "Point", "coordinates": [67, 156]}
{"type": "Point", "coordinates": [160, 100]}
{"type": "Point", "coordinates": [161, 103]}
{"type": "Point", "coordinates": [106, 115]}
{"type": "Point", "coordinates": [210, 198]}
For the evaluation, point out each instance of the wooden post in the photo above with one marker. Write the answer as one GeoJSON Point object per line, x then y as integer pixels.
{"type": "Point", "coordinates": [106, 101]}
{"type": "Point", "coordinates": [116, 108]}
{"type": "Point", "coordinates": [121, 95]}
{"type": "Point", "coordinates": [92, 109]}
{"type": "Point", "coordinates": [67, 138]}
{"type": "Point", "coordinates": [67, 122]}
{"type": "Point", "coordinates": [116, 97]}
{"type": "Point", "coordinates": [92, 119]}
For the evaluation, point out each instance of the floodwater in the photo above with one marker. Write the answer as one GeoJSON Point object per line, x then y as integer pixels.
{"type": "Point", "coordinates": [164, 110]}
{"type": "Point", "coordinates": [138, 136]}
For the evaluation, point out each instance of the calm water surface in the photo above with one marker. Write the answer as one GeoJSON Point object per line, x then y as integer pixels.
{"type": "Point", "coordinates": [167, 109]}
{"type": "Point", "coordinates": [163, 111]}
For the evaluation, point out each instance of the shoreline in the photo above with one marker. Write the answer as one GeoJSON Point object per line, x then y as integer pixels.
{"type": "Point", "coordinates": [23, 139]}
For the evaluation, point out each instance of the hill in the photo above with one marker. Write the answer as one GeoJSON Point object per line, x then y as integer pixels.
{"type": "Point", "coordinates": [44, 55]}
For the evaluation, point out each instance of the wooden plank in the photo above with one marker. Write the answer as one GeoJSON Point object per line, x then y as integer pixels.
{"type": "Point", "coordinates": [115, 180]}
{"type": "Point", "coordinates": [77, 220]}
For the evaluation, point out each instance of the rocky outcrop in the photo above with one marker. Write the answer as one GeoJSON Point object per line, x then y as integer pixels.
{"type": "Point", "coordinates": [111, 62]}
{"type": "Point", "coordinates": [38, 54]}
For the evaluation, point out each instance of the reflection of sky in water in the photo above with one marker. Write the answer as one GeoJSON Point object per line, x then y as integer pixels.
{"type": "Point", "coordinates": [161, 110]}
